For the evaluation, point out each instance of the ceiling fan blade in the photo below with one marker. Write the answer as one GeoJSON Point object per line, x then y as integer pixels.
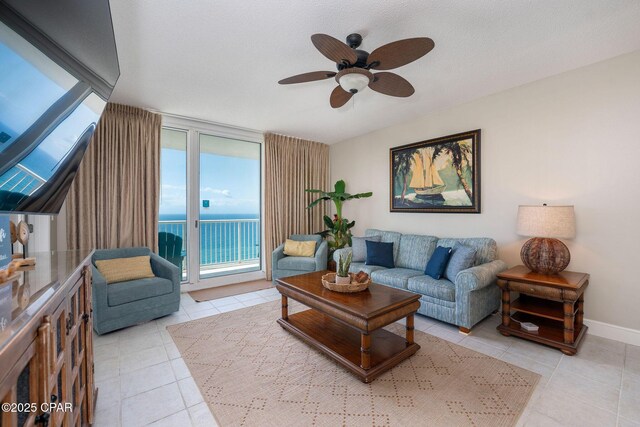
{"type": "Point", "coordinates": [307, 77]}
{"type": "Point", "coordinates": [334, 49]}
{"type": "Point", "coordinates": [339, 97]}
{"type": "Point", "coordinates": [399, 53]}
{"type": "Point", "coordinates": [391, 84]}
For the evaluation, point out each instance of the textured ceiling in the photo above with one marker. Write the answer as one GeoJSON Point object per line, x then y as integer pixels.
{"type": "Point", "coordinates": [221, 60]}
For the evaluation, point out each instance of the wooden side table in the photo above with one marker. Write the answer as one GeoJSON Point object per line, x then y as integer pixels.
{"type": "Point", "coordinates": [553, 302]}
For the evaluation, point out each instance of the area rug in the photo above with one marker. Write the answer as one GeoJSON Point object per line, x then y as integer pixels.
{"type": "Point", "coordinates": [229, 290]}
{"type": "Point", "coordinates": [251, 372]}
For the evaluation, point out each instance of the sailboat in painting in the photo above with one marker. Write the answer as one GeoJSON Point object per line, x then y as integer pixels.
{"type": "Point", "coordinates": [426, 180]}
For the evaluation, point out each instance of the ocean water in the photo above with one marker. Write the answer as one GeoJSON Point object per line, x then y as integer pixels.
{"type": "Point", "coordinates": [231, 238]}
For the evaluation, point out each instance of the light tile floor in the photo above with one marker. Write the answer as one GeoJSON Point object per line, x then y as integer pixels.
{"type": "Point", "coordinates": [142, 379]}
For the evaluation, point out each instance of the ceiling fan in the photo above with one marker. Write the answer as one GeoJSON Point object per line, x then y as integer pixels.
{"type": "Point", "coordinates": [355, 65]}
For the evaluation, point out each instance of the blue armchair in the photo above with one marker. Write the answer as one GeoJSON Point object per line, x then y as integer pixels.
{"type": "Point", "coordinates": [283, 265]}
{"type": "Point", "coordinates": [122, 304]}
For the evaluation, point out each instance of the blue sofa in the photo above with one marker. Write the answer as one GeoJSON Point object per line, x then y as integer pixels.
{"type": "Point", "coordinates": [283, 265]}
{"type": "Point", "coordinates": [466, 301]}
{"type": "Point", "coordinates": [123, 304]}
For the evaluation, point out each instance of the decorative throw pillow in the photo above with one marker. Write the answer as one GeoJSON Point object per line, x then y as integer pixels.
{"type": "Point", "coordinates": [380, 253]}
{"type": "Point", "coordinates": [438, 262]}
{"type": "Point", "coordinates": [125, 269]}
{"type": "Point", "coordinates": [462, 257]}
{"type": "Point", "coordinates": [295, 248]}
{"type": "Point", "coordinates": [359, 247]}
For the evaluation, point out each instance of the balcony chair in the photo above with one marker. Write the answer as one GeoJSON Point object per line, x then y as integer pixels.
{"type": "Point", "coordinates": [121, 304]}
{"type": "Point", "coordinates": [170, 248]}
{"type": "Point", "coordinates": [283, 265]}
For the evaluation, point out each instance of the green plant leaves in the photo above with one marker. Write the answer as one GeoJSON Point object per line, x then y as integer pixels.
{"type": "Point", "coordinates": [362, 195]}
{"type": "Point", "coordinates": [315, 202]}
{"type": "Point", "coordinates": [344, 264]}
{"type": "Point", "coordinates": [328, 221]}
{"type": "Point", "coordinates": [339, 229]}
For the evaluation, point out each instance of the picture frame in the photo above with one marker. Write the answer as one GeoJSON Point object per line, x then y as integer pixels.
{"type": "Point", "coordinates": [440, 175]}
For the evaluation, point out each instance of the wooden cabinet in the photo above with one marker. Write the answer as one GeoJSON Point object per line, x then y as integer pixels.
{"type": "Point", "coordinates": [48, 348]}
{"type": "Point", "coordinates": [21, 389]}
{"type": "Point", "coordinates": [555, 303]}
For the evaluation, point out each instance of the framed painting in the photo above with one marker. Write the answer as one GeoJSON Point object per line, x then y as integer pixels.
{"type": "Point", "coordinates": [438, 175]}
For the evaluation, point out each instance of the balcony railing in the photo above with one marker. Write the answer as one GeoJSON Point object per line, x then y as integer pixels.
{"type": "Point", "coordinates": [224, 243]}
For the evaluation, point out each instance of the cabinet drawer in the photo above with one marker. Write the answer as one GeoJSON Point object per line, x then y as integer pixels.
{"type": "Point", "coordinates": [536, 290]}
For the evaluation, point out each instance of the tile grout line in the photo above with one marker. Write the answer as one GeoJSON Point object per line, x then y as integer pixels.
{"type": "Point", "coordinates": [555, 369]}
{"type": "Point", "coordinates": [595, 379]}
{"type": "Point", "coordinates": [155, 388]}
{"type": "Point", "coordinates": [624, 365]}
{"type": "Point", "coordinates": [533, 403]}
{"type": "Point", "coordinates": [590, 379]}
{"type": "Point", "coordinates": [151, 389]}
{"type": "Point", "coordinates": [120, 405]}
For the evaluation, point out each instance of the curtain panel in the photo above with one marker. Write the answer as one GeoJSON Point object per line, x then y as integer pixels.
{"type": "Point", "coordinates": [291, 166]}
{"type": "Point", "coordinates": [113, 201]}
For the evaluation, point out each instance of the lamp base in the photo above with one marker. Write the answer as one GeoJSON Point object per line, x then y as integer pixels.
{"type": "Point", "coordinates": [545, 255]}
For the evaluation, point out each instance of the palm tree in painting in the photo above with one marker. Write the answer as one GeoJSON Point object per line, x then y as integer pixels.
{"type": "Point", "coordinates": [402, 167]}
{"type": "Point", "coordinates": [459, 152]}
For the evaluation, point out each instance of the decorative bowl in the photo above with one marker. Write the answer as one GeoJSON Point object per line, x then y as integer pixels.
{"type": "Point", "coordinates": [329, 282]}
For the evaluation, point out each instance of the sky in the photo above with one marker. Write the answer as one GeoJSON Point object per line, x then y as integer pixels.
{"type": "Point", "coordinates": [26, 92]}
{"type": "Point", "coordinates": [232, 185]}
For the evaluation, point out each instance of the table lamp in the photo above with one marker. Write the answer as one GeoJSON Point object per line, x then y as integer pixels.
{"type": "Point", "coordinates": [544, 253]}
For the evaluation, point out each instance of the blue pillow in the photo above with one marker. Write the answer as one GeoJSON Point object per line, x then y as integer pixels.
{"type": "Point", "coordinates": [463, 257]}
{"type": "Point", "coordinates": [358, 248]}
{"type": "Point", "coordinates": [379, 253]}
{"type": "Point", "coordinates": [438, 262]}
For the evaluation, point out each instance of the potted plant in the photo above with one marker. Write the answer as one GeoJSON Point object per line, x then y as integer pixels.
{"type": "Point", "coordinates": [339, 228]}
{"type": "Point", "coordinates": [342, 274]}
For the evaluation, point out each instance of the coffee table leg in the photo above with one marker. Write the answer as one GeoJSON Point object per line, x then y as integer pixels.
{"type": "Point", "coordinates": [410, 329]}
{"type": "Point", "coordinates": [285, 308]}
{"type": "Point", "coordinates": [365, 351]}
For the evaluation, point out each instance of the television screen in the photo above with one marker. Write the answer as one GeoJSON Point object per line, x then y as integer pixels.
{"type": "Point", "coordinates": [48, 112]}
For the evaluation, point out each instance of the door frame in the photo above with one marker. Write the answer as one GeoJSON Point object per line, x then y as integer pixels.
{"type": "Point", "coordinates": [194, 128]}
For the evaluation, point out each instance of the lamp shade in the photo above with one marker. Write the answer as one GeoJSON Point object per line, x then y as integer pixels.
{"type": "Point", "coordinates": [557, 222]}
{"type": "Point", "coordinates": [354, 82]}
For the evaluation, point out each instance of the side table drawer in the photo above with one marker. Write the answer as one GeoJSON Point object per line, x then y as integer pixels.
{"type": "Point", "coordinates": [536, 290]}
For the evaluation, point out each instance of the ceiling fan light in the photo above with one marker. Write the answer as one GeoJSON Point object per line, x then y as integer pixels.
{"type": "Point", "coordinates": [353, 82]}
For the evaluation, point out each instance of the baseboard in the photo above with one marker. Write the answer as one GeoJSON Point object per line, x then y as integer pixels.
{"type": "Point", "coordinates": [614, 332]}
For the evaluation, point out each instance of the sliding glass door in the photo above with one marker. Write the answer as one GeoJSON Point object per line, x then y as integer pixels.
{"type": "Point", "coordinates": [229, 208]}
{"type": "Point", "coordinates": [172, 224]}
{"type": "Point", "coordinates": [210, 204]}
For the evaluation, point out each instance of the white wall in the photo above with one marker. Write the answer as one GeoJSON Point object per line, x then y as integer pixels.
{"type": "Point", "coordinates": [41, 239]}
{"type": "Point", "coordinates": [61, 231]}
{"type": "Point", "coordinates": [573, 138]}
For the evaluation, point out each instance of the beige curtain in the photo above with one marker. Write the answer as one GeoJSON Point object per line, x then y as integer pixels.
{"type": "Point", "coordinates": [291, 166]}
{"type": "Point", "coordinates": [113, 201]}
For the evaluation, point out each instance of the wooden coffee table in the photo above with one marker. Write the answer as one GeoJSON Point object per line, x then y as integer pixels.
{"type": "Point", "coordinates": [348, 327]}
